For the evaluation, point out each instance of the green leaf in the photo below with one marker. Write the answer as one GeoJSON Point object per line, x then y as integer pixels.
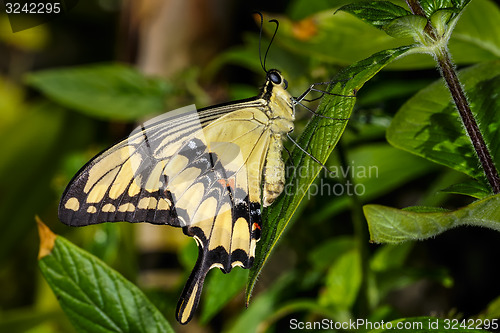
{"type": "Point", "coordinates": [322, 256]}
{"type": "Point", "coordinates": [376, 169]}
{"type": "Point", "coordinates": [319, 138]}
{"type": "Point", "coordinates": [440, 20]}
{"type": "Point", "coordinates": [406, 26]}
{"type": "Point", "coordinates": [391, 225]}
{"type": "Point", "coordinates": [376, 13]}
{"type": "Point", "coordinates": [114, 91]}
{"type": "Point", "coordinates": [390, 256]}
{"type": "Point", "coordinates": [493, 310]}
{"type": "Point", "coordinates": [220, 289]}
{"type": "Point", "coordinates": [432, 6]}
{"type": "Point", "coordinates": [425, 325]}
{"type": "Point", "coordinates": [262, 308]}
{"type": "Point", "coordinates": [95, 297]}
{"type": "Point", "coordinates": [474, 189]}
{"type": "Point", "coordinates": [428, 124]}
{"type": "Point", "coordinates": [476, 37]}
{"type": "Point", "coordinates": [342, 283]}
{"type": "Point", "coordinates": [425, 209]}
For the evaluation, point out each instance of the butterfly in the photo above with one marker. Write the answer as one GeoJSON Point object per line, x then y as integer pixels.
{"type": "Point", "coordinates": [209, 171]}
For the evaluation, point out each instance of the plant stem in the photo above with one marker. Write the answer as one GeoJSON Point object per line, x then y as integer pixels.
{"type": "Point", "coordinates": [450, 76]}
{"type": "Point", "coordinates": [470, 123]}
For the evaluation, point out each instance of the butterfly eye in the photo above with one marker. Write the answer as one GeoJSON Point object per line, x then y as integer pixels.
{"type": "Point", "coordinates": [285, 83]}
{"type": "Point", "coordinates": [275, 77]}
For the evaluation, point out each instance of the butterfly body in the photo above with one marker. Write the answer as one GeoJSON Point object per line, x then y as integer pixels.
{"type": "Point", "coordinates": [207, 171]}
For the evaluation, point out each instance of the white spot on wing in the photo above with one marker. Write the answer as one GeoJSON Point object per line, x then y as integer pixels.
{"type": "Point", "coordinates": [108, 208]}
{"type": "Point", "coordinates": [72, 204]}
{"type": "Point", "coordinates": [147, 203]}
{"type": "Point", "coordinates": [219, 265]}
{"type": "Point", "coordinates": [237, 263]}
{"type": "Point", "coordinates": [128, 207]}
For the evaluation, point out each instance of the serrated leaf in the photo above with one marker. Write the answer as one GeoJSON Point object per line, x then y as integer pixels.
{"type": "Point", "coordinates": [319, 139]}
{"type": "Point", "coordinates": [391, 225]}
{"type": "Point", "coordinates": [114, 91]}
{"type": "Point", "coordinates": [407, 26]}
{"type": "Point", "coordinates": [428, 124]}
{"type": "Point", "coordinates": [376, 13]}
{"type": "Point", "coordinates": [95, 297]}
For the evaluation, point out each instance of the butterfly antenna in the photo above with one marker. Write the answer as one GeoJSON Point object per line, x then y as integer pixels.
{"type": "Point", "coordinates": [262, 63]}
{"type": "Point", "coordinates": [308, 154]}
{"type": "Point", "coordinates": [272, 38]}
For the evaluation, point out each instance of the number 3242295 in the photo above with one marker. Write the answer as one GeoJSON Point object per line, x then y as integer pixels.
{"type": "Point", "coordinates": [471, 324]}
{"type": "Point", "coordinates": [32, 8]}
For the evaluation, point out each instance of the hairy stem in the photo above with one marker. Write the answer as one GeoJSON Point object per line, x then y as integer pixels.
{"type": "Point", "coordinates": [470, 123]}
{"type": "Point", "coordinates": [450, 76]}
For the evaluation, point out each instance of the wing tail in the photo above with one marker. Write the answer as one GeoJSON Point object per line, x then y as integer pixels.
{"type": "Point", "coordinates": [190, 297]}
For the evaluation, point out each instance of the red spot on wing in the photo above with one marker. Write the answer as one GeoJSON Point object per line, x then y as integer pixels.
{"type": "Point", "coordinates": [230, 183]}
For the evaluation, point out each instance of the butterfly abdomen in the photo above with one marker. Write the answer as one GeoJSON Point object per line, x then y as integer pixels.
{"type": "Point", "coordinates": [274, 171]}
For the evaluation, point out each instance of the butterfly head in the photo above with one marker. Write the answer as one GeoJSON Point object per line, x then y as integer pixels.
{"type": "Point", "coordinates": [276, 78]}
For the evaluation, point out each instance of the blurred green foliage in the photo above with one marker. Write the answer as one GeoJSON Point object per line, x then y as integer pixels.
{"type": "Point", "coordinates": [55, 114]}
